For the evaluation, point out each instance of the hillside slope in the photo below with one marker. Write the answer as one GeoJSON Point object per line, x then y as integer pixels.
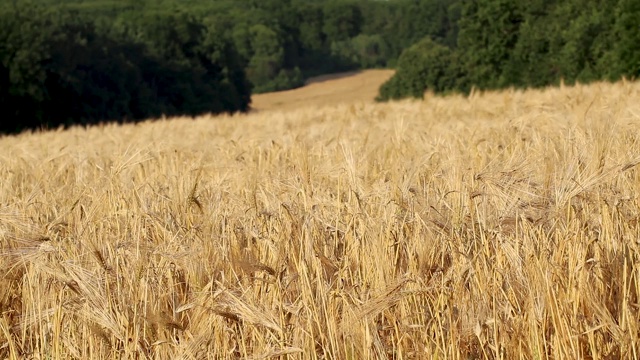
{"type": "Point", "coordinates": [326, 90]}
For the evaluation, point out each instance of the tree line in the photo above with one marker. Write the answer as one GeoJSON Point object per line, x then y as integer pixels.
{"type": "Point", "coordinates": [510, 43]}
{"type": "Point", "coordinates": [66, 62]}
{"type": "Point", "coordinates": [69, 66]}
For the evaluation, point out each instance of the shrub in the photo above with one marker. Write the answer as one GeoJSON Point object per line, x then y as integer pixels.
{"type": "Point", "coordinates": [424, 66]}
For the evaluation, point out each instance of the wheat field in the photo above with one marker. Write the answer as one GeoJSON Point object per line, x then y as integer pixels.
{"type": "Point", "coordinates": [326, 90]}
{"type": "Point", "coordinates": [502, 225]}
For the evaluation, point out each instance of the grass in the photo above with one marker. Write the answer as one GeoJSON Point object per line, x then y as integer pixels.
{"type": "Point", "coordinates": [499, 226]}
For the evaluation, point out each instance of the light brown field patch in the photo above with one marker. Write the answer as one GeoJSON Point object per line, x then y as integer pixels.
{"type": "Point", "coordinates": [326, 90]}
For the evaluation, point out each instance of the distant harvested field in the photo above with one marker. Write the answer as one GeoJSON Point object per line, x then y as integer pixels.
{"type": "Point", "coordinates": [327, 90]}
{"type": "Point", "coordinates": [500, 226]}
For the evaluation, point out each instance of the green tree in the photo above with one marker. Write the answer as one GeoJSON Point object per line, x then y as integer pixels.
{"type": "Point", "coordinates": [585, 38]}
{"type": "Point", "coordinates": [424, 66]}
{"type": "Point", "coordinates": [342, 20]}
{"type": "Point", "coordinates": [24, 33]}
{"type": "Point", "coordinates": [311, 35]}
{"type": "Point", "coordinates": [367, 51]}
{"type": "Point", "coordinates": [59, 67]}
{"type": "Point", "coordinates": [534, 59]}
{"type": "Point", "coordinates": [624, 58]}
{"type": "Point", "coordinates": [267, 56]}
{"type": "Point", "coordinates": [224, 67]}
{"type": "Point", "coordinates": [489, 31]}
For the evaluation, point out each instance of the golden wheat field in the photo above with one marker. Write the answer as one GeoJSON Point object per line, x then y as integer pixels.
{"type": "Point", "coordinates": [502, 225]}
{"type": "Point", "coordinates": [327, 90]}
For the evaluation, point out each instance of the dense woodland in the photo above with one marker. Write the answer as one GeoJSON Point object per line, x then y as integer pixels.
{"type": "Point", "coordinates": [85, 61]}
{"type": "Point", "coordinates": [509, 43]}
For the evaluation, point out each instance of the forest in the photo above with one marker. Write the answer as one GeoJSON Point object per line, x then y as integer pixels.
{"type": "Point", "coordinates": [65, 62]}
{"type": "Point", "coordinates": [505, 43]}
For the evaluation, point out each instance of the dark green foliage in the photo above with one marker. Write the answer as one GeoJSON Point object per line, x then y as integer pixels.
{"type": "Point", "coordinates": [626, 36]}
{"type": "Point", "coordinates": [534, 58]}
{"type": "Point", "coordinates": [425, 65]}
{"type": "Point", "coordinates": [22, 51]}
{"type": "Point", "coordinates": [585, 38]}
{"type": "Point", "coordinates": [342, 20]}
{"type": "Point", "coordinates": [59, 68]}
{"type": "Point", "coordinates": [267, 55]}
{"type": "Point", "coordinates": [310, 35]}
{"type": "Point", "coordinates": [366, 51]}
{"type": "Point", "coordinates": [325, 36]}
{"type": "Point", "coordinates": [503, 43]}
{"type": "Point", "coordinates": [488, 34]}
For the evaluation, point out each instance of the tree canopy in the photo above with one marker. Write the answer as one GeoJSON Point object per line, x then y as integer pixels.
{"type": "Point", "coordinates": [510, 43]}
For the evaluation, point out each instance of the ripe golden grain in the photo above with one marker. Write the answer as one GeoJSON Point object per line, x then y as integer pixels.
{"type": "Point", "coordinates": [501, 225]}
